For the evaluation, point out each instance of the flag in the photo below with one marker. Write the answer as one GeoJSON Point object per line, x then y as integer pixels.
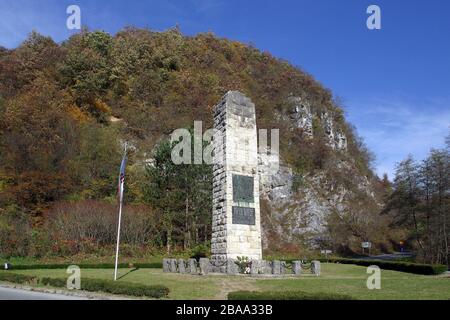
{"type": "Point", "coordinates": [122, 178]}
{"type": "Point", "coordinates": [120, 191]}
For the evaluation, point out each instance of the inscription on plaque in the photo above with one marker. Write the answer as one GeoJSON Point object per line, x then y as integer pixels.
{"type": "Point", "coordinates": [242, 189]}
{"type": "Point", "coordinates": [244, 215]}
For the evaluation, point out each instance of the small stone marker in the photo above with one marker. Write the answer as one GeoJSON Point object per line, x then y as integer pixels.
{"type": "Point", "coordinates": [297, 267]}
{"type": "Point", "coordinates": [266, 266]}
{"type": "Point", "coordinates": [282, 267]}
{"type": "Point", "coordinates": [192, 264]}
{"type": "Point", "coordinates": [255, 267]}
{"type": "Point", "coordinates": [276, 267]}
{"type": "Point", "coordinates": [173, 265]}
{"type": "Point", "coordinates": [232, 267]}
{"type": "Point", "coordinates": [204, 266]}
{"type": "Point", "coordinates": [181, 266]}
{"type": "Point", "coordinates": [315, 267]}
{"type": "Point", "coordinates": [166, 265]}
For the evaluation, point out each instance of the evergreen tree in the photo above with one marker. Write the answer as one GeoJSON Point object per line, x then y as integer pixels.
{"type": "Point", "coordinates": [182, 195]}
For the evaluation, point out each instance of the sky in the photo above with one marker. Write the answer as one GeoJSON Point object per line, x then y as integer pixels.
{"type": "Point", "coordinates": [394, 82]}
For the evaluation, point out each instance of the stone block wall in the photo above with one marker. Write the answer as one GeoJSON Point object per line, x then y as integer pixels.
{"type": "Point", "coordinates": [236, 153]}
{"type": "Point", "coordinates": [230, 266]}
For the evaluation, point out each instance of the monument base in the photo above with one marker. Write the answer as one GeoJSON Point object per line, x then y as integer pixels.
{"type": "Point", "coordinates": [235, 267]}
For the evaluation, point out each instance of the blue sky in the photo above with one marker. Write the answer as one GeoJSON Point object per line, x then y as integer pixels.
{"type": "Point", "coordinates": [395, 82]}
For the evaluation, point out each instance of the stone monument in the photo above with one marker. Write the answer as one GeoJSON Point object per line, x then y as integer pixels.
{"type": "Point", "coordinates": [236, 227]}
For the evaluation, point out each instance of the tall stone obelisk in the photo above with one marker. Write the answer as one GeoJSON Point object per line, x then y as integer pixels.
{"type": "Point", "coordinates": [236, 226]}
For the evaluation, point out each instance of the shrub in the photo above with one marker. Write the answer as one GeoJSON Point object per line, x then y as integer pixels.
{"type": "Point", "coordinates": [151, 265]}
{"type": "Point", "coordinates": [15, 231]}
{"type": "Point", "coordinates": [66, 265]}
{"type": "Point", "coordinates": [54, 282]}
{"type": "Point", "coordinates": [114, 287]}
{"type": "Point", "coordinates": [244, 264]}
{"type": "Point", "coordinates": [132, 289]}
{"type": "Point", "coordinates": [416, 268]}
{"type": "Point", "coordinates": [155, 265]}
{"type": "Point", "coordinates": [87, 226]}
{"type": "Point", "coordinates": [286, 295]}
{"type": "Point", "coordinates": [200, 251]}
{"type": "Point", "coordinates": [16, 278]}
{"type": "Point", "coordinates": [109, 286]}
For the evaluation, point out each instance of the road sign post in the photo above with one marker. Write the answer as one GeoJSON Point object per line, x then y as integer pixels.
{"type": "Point", "coordinates": [366, 245]}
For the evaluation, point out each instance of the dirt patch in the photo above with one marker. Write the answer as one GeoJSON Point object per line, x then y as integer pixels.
{"type": "Point", "coordinates": [234, 284]}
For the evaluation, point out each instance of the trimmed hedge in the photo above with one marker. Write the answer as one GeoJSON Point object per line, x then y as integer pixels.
{"type": "Point", "coordinates": [286, 295]}
{"type": "Point", "coordinates": [109, 286]}
{"type": "Point", "coordinates": [132, 289]}
{"type": "Point", "coordinates": [16, 278]}
{"type": "Point", "coordinates": [154, 265]}
{"type": "Point", "coordinates": [150, 265]}
{"type": "Point", "coordinates": [416, 268]}
{"type": "Point", "coordinates": [54, 282]}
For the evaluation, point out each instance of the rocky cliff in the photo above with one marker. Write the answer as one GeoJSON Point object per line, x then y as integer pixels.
{"type": "Point", "coordinates": [75, 99]}
{"type": "Point", "coordinates": [301, 212]}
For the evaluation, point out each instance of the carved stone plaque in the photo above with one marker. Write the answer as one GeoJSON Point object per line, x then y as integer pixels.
{"type": "Point", "coordinates": [243, 215]}
{"type": "Point", "coordinates": [243, 189]}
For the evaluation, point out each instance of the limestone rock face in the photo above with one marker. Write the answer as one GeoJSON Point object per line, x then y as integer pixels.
{"type": "Point", "coordinates": [301, 115]}
{"type": "Point", "coordinates": [275, 178]}
{"type": "Point", "coordinates": [304, 211]}
{"type": "Point", "coordinates": [336, 139]}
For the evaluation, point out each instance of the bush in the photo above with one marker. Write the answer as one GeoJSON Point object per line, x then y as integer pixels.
{"type": "Point", "coordinates": [66, 265]}
{"type": "Point", "coordinates": [114, 287]}
{"type": "Point", "coordinates": [416, 268]}
{"type": "Point", "coordinates": [200, 251]}
{"type": "Point", "coordinates": [88, 226]}
{"type": "Point", "coordinates": [286, 295]}
{"type": "Point", "coordinates": [109, 286]}
{"type": "Point", "coordinates": [16, 278]}
{"type": "Point", "coordinates": [54, 282]}
{"type": "Point", "coordinates": [153, 265]}
{"type": "Point", "coordinates": [15, 231]}
{"type": "Point", "coordinates": [132, 289]}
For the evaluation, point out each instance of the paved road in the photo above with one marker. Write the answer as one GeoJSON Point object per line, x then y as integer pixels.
{"type": "Point", "coordinates": [18, 294]}
{"type": "Point", "coordinates": [390, 256]}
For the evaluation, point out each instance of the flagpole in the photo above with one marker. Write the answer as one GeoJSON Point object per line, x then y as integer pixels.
{"type": "Point", "coordinates": [118, 240]}
{"type": "Point", "coordinates": [121, 187]}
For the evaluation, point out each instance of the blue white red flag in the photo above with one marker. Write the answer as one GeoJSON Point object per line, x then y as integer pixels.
{"type": "Point", "coordinates": [122, 178]}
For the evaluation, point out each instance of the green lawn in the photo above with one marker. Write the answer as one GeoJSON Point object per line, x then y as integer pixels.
{"type": "Point", "coordinates": [338, 278]}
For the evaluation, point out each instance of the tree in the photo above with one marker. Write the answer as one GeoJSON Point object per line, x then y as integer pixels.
{"type": "Point", "coordinates": [162, 191]}
{"type": "Point", "coordinates": [86, 71]}
{"type": "Point", "coordinates": [439, 167]}
{"type": "Point", "coordinates": [405, 198]}
{"type": "Point", "coordinates": [181, 194]}
{"type": "Point", "coordinates": [420, 201]}
{"type": "Point", "coordinates": [37, 139]}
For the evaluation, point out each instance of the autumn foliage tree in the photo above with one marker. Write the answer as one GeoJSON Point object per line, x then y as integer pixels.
{"type": "Point", "coordinates": [420, 203]}
{"type": "Point", "coordinates": [66, 108]}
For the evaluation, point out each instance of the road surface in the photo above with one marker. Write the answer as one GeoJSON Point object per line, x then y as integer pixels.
{"type": "Point", "coordinates": [19, 294]}
{"type": "Point", "coordinates": [390, 256]}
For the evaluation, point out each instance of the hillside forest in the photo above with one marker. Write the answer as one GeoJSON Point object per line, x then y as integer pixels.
{"type": "Point", "coordinates": [67, 108]}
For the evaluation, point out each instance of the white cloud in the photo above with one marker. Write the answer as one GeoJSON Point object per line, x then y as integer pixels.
{"type": "Point", "coordinates": [395, 128]}
{"type": "Point", "coordinates": [204, 6]}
